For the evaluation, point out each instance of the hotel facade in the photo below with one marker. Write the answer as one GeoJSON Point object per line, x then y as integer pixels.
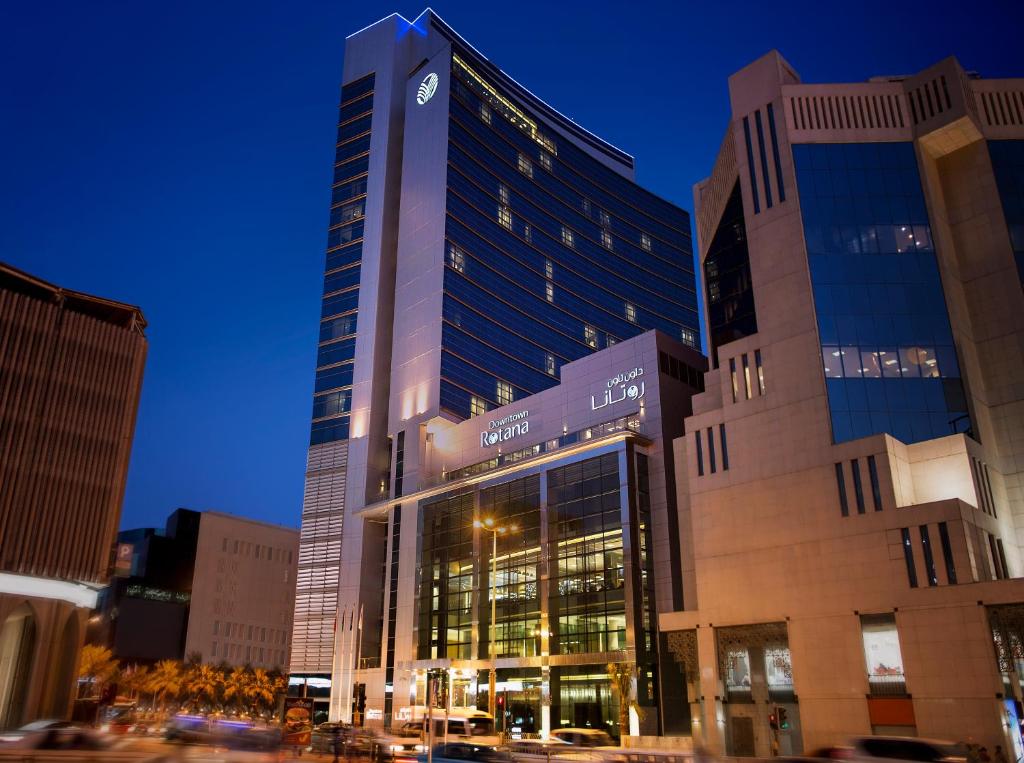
{"type": "Point", "coordinates": [489, 262]}
{"type": "Point", "coordinates": [854, 567]}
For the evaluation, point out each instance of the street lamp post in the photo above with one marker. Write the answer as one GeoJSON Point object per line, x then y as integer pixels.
{"type": "Point", "coordinates": [489, 525]}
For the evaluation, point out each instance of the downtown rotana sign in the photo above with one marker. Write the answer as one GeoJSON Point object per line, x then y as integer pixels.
{"type": "Point", "coordinates": [500, 430]}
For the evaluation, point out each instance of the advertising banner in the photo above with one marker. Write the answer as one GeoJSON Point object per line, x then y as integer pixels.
{"type": "Point", "coordinates": [297, 724]}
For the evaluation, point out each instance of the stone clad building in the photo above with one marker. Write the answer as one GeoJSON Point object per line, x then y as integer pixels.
{"type": "Point", "coordinates": [854, 566]}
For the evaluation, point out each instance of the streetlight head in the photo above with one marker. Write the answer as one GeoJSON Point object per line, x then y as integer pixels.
{"type": "Point", "coordinates": [489, 522]}
{"type": "Point", "coordinates": [513, 529]}
{"type": "Point", "coordinates": [477, 523]}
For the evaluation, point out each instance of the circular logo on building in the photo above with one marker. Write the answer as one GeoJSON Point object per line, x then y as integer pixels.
{"type": "Point", "coordinates": [633, 391]}
{"type": "Point", "coordinates": [492, 438]}
{"type": "Point", "coordinates": [427, 89]}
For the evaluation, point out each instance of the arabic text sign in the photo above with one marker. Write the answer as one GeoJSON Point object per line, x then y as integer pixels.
{"type": "Point", "coordinates": [624, 386]}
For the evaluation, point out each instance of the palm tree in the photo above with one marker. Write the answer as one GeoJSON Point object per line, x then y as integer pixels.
{"type": "Point", "coordinates": [262, 690]}
{"type": "Point", "coordinates": [621, 675]}
{"type": "Point", "coordinates": [236, 687]}
{"type": "Point", "coordinates": [97, 666]}
{"type": "Point", "coordinates": [203, 681]}
{"type": "Point", "coordinates": [165, 681]}
{"type": "Point", "coordinates": [135, 680]}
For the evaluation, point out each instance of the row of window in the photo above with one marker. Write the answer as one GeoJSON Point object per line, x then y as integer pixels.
{"type": "Point", "coordinates": [983, 487]}
{"type": "Point", "coordinates": [260, 655]}
{"type": "Point", "coordinates": [891, 362]}
{"type": "Point", "coordinates": [712, 461]}
{"type": "Point", "coordinates": [858, 486]}
{"type": "Point", "coordinates": [747, 384]}
{"type": "Point", "coordinates": [765, 182]}
{"type": "Point", "coordinates": [932, 578]}
{"type": "Point", "coordinates": [681, 371]}
{"type": "Point", "coordinates": [252, 633]}
{"type": "Point", "coordinates": [256, 550]}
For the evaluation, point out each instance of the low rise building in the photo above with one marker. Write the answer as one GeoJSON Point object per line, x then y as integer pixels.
{"type": "Point", "coordinates": [215, 586]}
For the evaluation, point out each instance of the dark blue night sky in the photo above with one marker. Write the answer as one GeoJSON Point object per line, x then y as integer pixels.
{"type": "Point", "coordinates": [178, 156]}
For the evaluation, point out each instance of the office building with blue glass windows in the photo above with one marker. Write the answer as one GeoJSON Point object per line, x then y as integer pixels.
{"type": "Point", "coordinates": [855, 565]}
{"type": "Point", "coordinates": [479, 242]}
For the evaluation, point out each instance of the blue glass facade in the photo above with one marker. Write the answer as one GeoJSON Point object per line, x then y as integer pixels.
{"type": "Point", "coordinates": [332, 392]}
{"type": "Point", "coordinates": [1008, 166]}
{"type": "Point", "coordinates": [550, 254]}
{"type": "Point", "coordinates": [887, 349]}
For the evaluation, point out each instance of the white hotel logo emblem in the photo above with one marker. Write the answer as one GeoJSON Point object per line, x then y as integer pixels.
{"type": "Point", "coordinates": [624, 382]}
{"type": "Point", "coordinates": [511, 426]}
{"type": "Point", "coordinates": [427, 89]}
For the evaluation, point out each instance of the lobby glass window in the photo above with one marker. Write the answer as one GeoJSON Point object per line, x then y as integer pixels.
{"type": "Point", "coordinates": [882, 656]}
{"type": "Point", "coordinates": [504, 393]}
{"type": "Point", "coordinates": [587, 604]}
{"type": "Point", "coordinates": [631, 312]}
{"type": "Point", "coordinates": [445, 607]}
{"type": "Point", "coordinates": [518, 564]}
{"type": "Point", "coordinates": [477, 406]}
{"type": "Point", "coordinates": [887, 347]}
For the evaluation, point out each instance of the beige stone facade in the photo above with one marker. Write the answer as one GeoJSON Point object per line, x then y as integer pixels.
{"type": "Point", "coordinates": [805, 555]}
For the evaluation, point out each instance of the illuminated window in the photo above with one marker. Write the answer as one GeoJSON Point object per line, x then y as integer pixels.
{"type": "Point", "coordinates": [734, 379]}
{"type": "Point", "coordinates": [606, 240]}
{"type": "Point", "coordinates": [477, 406]}
{"type": "Point", "coordinates": [746, 376]}
{"type": "Point", "coordinates": [631, 312]}
{"type": "Point", "coordinates": [525, 165]}
{"type": "Point", "coordinates": [568, 237]}
{"type": "Point", "coordinates": [456, 258]}
{"type": "Point", "coordinates": [645, 242]}
{"type": "Point", "coordinates": [590, 335]}
{"type": "Point", "coordinates": [611, 340]}
{"type": "Point", "coordinates": [760, 372]}
{"type": "Point", "coordinates": [504, 393]}
{"type": "Point", "coordinates": [545, 160]}
{"type": "Point", "coordinates": [883, 658]}
{"type": "Point", "coordinates": [586, 206]}
{"type": "Point", "coordinates": [549, 291]}
{"type": "Point", "coordinates": [688, 337]}
{"type": "Point", "coordinates": [606, 219]}
{"type": "Point", "coordinates": [528, 233]}
{"type": "Point", "coordinates": [549, 364]}
{"type": "Point", "coordinates": [485, 113]}
{"type": "Point", "coordinates": [549, 269]}
{"type": "Point", "coordinates": [505, 216]}
{"type": "Point", "coordinates": [503, 193]}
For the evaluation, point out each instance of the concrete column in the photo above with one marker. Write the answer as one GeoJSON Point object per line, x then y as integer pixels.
{"type": "Point", "coordinates": [712, 718]}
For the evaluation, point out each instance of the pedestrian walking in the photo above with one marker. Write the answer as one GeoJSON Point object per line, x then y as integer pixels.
{"type": "Point", "coordinates": [336, 742]}
{"type": "Point", "coordinates": [983, 755]}
{"type": "Point", "coordinates": [999, 756]}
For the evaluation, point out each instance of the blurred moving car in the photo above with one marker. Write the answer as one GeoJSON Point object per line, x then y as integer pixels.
{"type": "Point", "coordinates": [543, 750]}
{"type": "Point", "coordinates": [458, 752]}
{"type": "Point", "coordinates": [905, 749]}
{"type": "Point", "coordinates": [16, 735]}
{"type": "Point", "coordinates": [584, 737]}
{"type": "Point", "coordinates": [61, 738]}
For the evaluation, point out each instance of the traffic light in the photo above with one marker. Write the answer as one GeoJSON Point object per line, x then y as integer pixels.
{"type": "Point", "coordinates": [773, 721]}
{"type": "Point", "coordinates": [782, 719]}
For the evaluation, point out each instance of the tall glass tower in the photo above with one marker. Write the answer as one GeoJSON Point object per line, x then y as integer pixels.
{"type": "Point", "coordinates": [478, 241]}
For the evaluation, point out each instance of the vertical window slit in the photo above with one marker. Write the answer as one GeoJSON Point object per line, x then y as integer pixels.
{"type": "Point", "coordinates": [858, 489]}
{"type": "Point", "coordinates": [844, 506]}
{"type": "Point", "coordinates": [947, 553]}
{"type": "Point", "coordinates": [929, 560]}
{"type": "Point", "coordinates": [908, 557]}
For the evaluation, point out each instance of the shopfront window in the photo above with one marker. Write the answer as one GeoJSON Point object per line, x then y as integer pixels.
{"type": "Point", "coordinates": [882, 656]}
